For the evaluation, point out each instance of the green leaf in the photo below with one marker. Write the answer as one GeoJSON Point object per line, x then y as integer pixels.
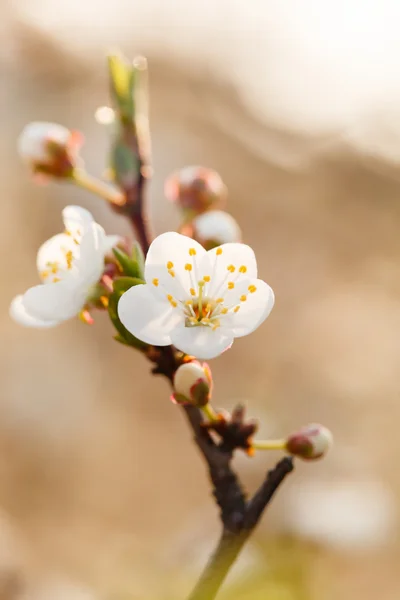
{"type": "Point", "coordinates": [122, 80]}
{"type": "Point", "coordinates": [129, 266]}
{"type": "Point", "coordinates": [138, 257]}
{"type": "Point", "coordinates": [124, 336]}
{"type": "Point", "coordinates": [125, 164]}
{"type": "Point", "coordinates": [122, 284]}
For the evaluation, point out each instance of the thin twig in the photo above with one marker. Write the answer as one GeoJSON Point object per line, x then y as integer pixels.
{"type": "Point", "coordinates": [231, 542]}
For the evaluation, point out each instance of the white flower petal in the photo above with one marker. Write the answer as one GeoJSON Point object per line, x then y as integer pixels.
{"type": "Point", "coordinates": [55, 302]}
{"type": "Point", "coordinates": [239, 257]}
{"type": "Point", "coordinates": [201, 342]}
{"type": "Point", "coordinates": [90, 263]}
{"type": "Point", "coordinates": [76, 219]}
{"type": "Point", "coordinates": [174, 248]}
{"type": "Point", "coordinates": [54, 251]}
{"type": "Point", "coordinates": [110, 242]}
{"type": "Point", "coordinates": [218, 226]}
{"type": "Point", "coordinates": [147, 317]}
{"type": "Point", "coordinates": [253, 311]}
{"type": "Point", "coordinates": [19, 313]}
{"type": "Point", "coordinates": [32, 140]}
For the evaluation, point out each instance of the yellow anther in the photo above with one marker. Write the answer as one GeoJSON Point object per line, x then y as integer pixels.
{"type": "Point", "coordinates": [242, 269]}
{"type": "Point", "coordinates": [217, 324]}
{"type": "Point", "coordinates": [104, 301]}
{"type": "Point", "coordinates": [56, 279]}
{"type": "Point", "coordinates": [54, 270]}
{"type": "Point", "coordinates": [206, 278]}
{"type": "Point", "coordinates": [188, 267]}
{"type": "Point", "coordinates": [231, 268]}
{"type": "Point", "coordinates": [67, 232]}
{"type": "Point", "coordinates": [231, 285]}
{"type": "Point", "coordinates": [172, 301]}
{"type": "Point", "coordinates": [189, 303]}
{"type": "Point", "coordinates": [236, 309]}
{"type": "Point", "coordinates": [192, 252]}
{"type": "Point", "coordinates": [252, 289]}
{"type": "Point", "coordinates": [155, 281]}
{"type": "Point", "coordinates": [219, 300]}
{"type": "Point", "coordinates": [193, 320]}
{"type": "Point", "coordinates": [208, 307]}
{"type": "Point", "coordinates": [219, 251]}
{"type": "Point", "coordinates": [192, 292]}
{"type": "Point", "coordinates": [69, 257]}
{"type": "Point", "coordinates": [206, 320]}
{"type": "Point", "coordinates": [170, 265]}
{"type": "Point", "coordinates": [171, 272]}
{"type": "Point", "coordinates": [224, 311]}
{"type": "Point", "coordinates": [44, 274]}
{"type": "Point", "coordinates": [243, 298]}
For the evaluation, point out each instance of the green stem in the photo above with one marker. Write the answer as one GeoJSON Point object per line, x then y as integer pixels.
{"type": "Point", "coordinates": [269, 444]}
{"type": "Point", "coordinates": [98, 187]}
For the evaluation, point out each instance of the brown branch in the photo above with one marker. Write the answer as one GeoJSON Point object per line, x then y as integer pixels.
{"type": "Point", "coordinates": [231, 542]}
{"type": "Point", "coordinates": [239, 517]}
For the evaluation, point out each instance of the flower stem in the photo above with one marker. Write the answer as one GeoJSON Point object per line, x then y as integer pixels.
{"type": "Point", "coordinates": [98, 187]}
{"type": "Point", "coordinates": [209, 412]}
{"type": "Point", "coordinates": [269, 444]}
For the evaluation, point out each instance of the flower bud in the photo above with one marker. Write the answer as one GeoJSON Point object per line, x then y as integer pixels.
{"type": "Point", "coordinates": [49, 149]}
{"type": "Point", "coordinates": [310, 443]}
{"type": "Point", "coordinates": [214, 228]}
{"type": "Point", "coordinates": [195, 189]}
{"type": "Point", "coordinates": [192, 384]}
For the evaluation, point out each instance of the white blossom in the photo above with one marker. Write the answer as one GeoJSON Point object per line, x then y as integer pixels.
{"type": "Point", "coordinates": [193, 383]}
{"type": "Point", "coordinates": [69, 265]}
{"type": "Point", "coordinates": [216, 226]}
{"type": "Point", "coordinates": [49, 148]}
{"type": "Point", "coordinates": [197, 300]}
{"type": "Point", "coordinates": [310, 442]}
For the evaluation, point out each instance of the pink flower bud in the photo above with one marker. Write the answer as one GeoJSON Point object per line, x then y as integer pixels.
{"type": "Point", "coordinates": [214, 228]}
{"type": "Point", "coordinates": [195, 189]}
{"type": "Point", "coordinates": [310, 443]}
{"type": "Point", "coordinates": [193, 384]}
{"type": "Point", "coordinates": [49, 149]}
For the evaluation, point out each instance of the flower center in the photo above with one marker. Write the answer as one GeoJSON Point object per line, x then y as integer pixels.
{"type": "Point", "coordinates": [62, 262]}
{"type": "Point", "coordinates": [211, 297]}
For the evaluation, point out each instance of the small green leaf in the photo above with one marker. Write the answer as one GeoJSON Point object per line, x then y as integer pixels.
{"type": "Point", "coordinates": [122, 284]}
{"type": "Point", "coordinates": [124, 336]}
{"type": "Point", "coordinates": [122, 80]}
{"type": "Point", "coordinates": [138, 257]}
{"type": "Point", "coordinates": [125, 164]}
{"type": "Point", "coordinates": [128, 265]}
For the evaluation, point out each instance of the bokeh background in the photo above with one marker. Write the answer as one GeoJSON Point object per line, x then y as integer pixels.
{"type": "Point", "coordinates": [297, 105]}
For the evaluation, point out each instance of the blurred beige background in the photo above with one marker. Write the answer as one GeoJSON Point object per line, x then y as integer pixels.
{"type": "Point", "coordinates": [102, 494]}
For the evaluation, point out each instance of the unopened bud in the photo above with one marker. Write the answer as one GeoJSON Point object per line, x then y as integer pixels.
{"type": "Point", "coordinates": [310, 442]}
{"type": "Point", "coordinates": [195, 189]}
{"type": "Point", "coordinates": [49, 149]}
{"type": "Point", "coordinates": [215, 227]}
{"type": "Point", "coordinates": [193, 384]}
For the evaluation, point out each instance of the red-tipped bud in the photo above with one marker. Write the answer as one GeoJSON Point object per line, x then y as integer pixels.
{"type": "Point", "coordinates": [195, 189]}
{"type": "Point", "coordinates": [193, 384]}
{"type": "Point", "coordinates": [49, 149]}
{"type": "Point", "coordinates": [310, 442]}
{"type": "Point", "coordinates": [214, 228]}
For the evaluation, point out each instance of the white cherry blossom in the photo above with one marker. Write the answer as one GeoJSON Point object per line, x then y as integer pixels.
{"type": "Point", "coordinates": [49, 148]}
{"type": "Point", "coordinates": [197, 300]}
{"type": "Point", "coordinates": [69, 265]}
